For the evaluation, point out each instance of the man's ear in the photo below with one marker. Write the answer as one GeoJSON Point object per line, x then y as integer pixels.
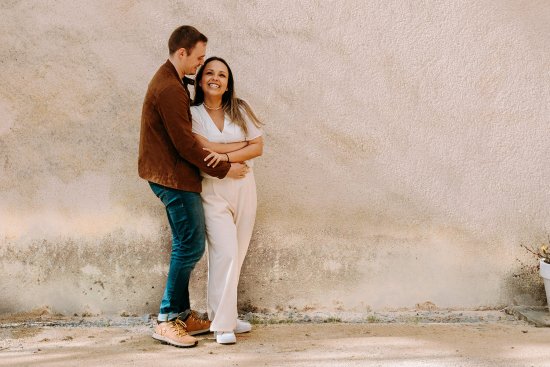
{"type": "Point", "coordinates": [182, 52]}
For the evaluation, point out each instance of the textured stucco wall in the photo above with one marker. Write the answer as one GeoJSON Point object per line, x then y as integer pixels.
{"type": "Point", "coordinates": [406, 159]}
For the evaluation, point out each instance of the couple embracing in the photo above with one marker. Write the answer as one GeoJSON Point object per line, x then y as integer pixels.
{"type": "Point", "coordinates": [197, 157]}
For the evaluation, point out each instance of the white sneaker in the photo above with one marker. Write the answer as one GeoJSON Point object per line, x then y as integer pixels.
{"type": "Point", "coordinates": [225, 337]}
{"type": "Point", "coordinates": [242, 327]}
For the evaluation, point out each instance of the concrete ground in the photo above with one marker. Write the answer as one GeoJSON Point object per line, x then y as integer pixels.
{"type": "Point", "coordinates": [489, 341]}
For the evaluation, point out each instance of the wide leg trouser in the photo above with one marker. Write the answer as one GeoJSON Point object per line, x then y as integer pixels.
{"type": "Point", "coordinates": [230, 212]}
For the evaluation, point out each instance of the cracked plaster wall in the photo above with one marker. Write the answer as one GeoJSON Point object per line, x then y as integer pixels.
{"type": "Point", "coordinates": [407, 150]}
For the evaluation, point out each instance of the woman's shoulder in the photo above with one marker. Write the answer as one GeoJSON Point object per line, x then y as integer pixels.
{"type": "Point", "coordinates": [196, 111]}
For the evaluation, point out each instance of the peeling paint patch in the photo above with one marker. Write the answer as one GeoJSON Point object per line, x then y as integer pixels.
{"type": "Point", "coordinates": [83, 276]}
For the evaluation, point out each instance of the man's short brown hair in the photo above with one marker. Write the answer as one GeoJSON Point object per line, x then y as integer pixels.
{"type": "Point", "coordinates": [185, 37]}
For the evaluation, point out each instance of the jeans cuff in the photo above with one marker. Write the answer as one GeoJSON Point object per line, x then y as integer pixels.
{"type": "Point", "coordinates": [163, 317]}
{"type": "Point", "coordinates": [183, 315]}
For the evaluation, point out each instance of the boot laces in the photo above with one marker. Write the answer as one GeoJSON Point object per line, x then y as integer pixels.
{"type": "Point", "coordinates": [179, 327]}
{"type": "Point", "coordinates": [195, 315]}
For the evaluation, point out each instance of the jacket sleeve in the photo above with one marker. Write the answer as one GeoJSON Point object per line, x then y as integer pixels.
{"type": "Point", "coordinates": [173, 107]}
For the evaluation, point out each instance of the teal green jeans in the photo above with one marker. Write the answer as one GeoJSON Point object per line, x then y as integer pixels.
{"type": "Point", "coordinates": [186, 218]}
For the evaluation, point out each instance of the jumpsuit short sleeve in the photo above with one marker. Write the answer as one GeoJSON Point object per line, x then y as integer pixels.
{"type": "Point", "coordinates": [253, 131]}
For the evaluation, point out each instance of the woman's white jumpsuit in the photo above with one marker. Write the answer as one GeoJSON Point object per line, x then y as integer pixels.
{"type": "Point", "coordinates": [230, 211]}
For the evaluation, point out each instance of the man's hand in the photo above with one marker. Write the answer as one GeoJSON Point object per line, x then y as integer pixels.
{"type": "Point", "coordinates": [215, 158]}
{"type": "Point", "coordinates": [237, 170]}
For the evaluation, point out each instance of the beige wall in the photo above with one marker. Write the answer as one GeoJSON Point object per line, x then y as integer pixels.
{"type": "Point", "coordinates": [406, 159]}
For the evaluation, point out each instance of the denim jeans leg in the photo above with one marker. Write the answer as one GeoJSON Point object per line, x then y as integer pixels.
{"type": "Point", "coordinates": [186, 219]}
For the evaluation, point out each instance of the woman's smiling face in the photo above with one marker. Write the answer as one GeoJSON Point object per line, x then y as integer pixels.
{"type": "Point", "coordinates": [214, 78]}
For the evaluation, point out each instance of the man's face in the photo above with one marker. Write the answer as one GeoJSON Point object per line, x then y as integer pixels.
{"type": "Point", "coordinates": [193, 61]}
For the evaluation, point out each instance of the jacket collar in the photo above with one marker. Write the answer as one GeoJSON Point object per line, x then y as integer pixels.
{"type": "Point", "coordinates": [168, 64]}
{"type": "Point", "coordinates": [185, 81]}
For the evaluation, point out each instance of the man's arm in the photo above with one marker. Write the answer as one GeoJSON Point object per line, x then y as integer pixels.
{"type": "Point", "coordinates": [173, 106]}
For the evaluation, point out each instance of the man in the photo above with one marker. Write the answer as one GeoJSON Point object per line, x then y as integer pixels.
{"type": "Point", "coordinates": [170, 159]}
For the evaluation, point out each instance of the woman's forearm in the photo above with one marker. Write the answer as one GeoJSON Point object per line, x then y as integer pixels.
{"type": "Point", "coordinates": [235, 152]}
{"type": "Point", "coordinates": [252, 150]}
{"type": "Point", "coordinates": [220, 147]}
{"type": "Point", "coordinates": [226, 147]}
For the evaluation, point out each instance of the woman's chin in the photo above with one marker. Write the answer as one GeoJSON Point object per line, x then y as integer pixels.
{"type": "Point", "coordinates": [213, 95]}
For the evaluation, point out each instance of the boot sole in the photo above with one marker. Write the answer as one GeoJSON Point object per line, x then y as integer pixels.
{"type": "Point", "coordinates": [166, 340]}
{"type": "Point", "coordinates": [196, 332]}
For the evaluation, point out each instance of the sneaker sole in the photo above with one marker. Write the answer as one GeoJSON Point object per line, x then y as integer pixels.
{"type": "Point", "coordinates": [196, 332]}
{"type": "Point", "coordinates": [166, 340]}
{"type": "Point", "coordinates": [227, 341]}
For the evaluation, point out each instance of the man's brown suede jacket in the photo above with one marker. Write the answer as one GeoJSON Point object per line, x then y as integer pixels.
{"type": "Point", "coordinates": [169, 155]}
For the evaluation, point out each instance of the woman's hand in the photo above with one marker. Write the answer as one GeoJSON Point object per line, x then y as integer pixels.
{"type": "Point", "coordinates": [237, 170]}
{"type": "Point", "coordinates": [214, 158]}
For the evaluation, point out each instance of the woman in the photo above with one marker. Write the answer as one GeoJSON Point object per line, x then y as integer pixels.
{"type": "Point", "coordinates": [228, 128]}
